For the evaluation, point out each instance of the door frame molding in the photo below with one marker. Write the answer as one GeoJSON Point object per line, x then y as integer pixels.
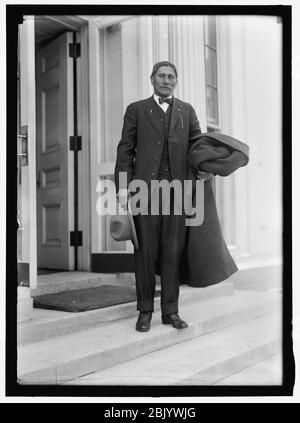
{"type": "Point", "coordinates": [28, 117]}
{"type": "Point", "coordinates": [96, 131]}
{"type": "Point", "coordinates": [84, 129]}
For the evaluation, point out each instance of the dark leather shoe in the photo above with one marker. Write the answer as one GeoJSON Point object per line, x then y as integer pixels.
{"type": "Point", "coordinates": [143, 321]}
{"type": "Point", "coordinates": [174, 320]}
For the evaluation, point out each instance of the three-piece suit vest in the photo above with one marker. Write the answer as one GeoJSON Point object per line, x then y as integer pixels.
{"type": "Point", "coordinates": [164, 118]}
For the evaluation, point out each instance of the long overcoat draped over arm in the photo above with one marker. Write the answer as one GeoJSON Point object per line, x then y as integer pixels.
{"type": "Point", "coordinates": [206, 259]}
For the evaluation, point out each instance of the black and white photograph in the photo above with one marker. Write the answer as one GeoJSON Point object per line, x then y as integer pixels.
{"type": "Point", "coordinates": [151, 199]}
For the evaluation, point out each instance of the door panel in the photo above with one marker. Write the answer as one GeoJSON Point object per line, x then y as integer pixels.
{"type": "Point", "coordinates": [54, 160]}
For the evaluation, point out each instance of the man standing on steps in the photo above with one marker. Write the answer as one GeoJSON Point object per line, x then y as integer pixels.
{"type": "Point", "coordinates": [156, 137]}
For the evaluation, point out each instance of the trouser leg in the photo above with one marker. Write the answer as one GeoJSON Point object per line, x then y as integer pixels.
{"type": "Point", "coordinates": [161, 237]}
{"type": "Point", "coordinates": [172, 245]}
{"type": "Point", "coordinates": [148, 233]}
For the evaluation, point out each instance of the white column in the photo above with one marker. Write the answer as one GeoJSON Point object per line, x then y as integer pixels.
{"type": "Point", "coordinates": [145, 55]}
{"type": "Point", "coordinates": [187, 53]}
{"type": "Point", "coordinates": [160, 38]}
{"type": "Point", "coordinates": [225, 187]}
{"type": "Point", "coordinates": [129, 63]}
{"type": "Point", "coordinates": [238, 127]}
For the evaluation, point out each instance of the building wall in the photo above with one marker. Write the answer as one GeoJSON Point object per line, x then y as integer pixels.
{"type": "Point", "coordinates": [249, 72]}
{"type": "Point", "coordinates": [256, 118]}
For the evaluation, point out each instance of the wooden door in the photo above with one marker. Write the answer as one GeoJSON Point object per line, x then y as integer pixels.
{"type": "Point", "coordinates": [55, 215]}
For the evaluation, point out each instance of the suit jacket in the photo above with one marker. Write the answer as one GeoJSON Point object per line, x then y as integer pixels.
{"type": "Point", "coordinates": [140, 149]}
{"type": "Point", "coordinates": [206, 259]}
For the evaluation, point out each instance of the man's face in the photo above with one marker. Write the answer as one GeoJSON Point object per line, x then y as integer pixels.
{"type": "Point", "coordinates": [164, 81]}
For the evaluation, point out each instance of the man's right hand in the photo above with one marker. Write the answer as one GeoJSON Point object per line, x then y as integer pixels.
{"type": "Point", "coordinates": [123, 196]}
{"type": "Point", "coordinates": [203, 176]}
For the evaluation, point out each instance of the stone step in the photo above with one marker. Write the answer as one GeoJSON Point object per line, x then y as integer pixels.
{"type": "Point", "coordinates": [51, 323]}
{"type": "Point", "coordinates": [64, 358]}
{"type": "Point", "coordinates": [258, 277]}
{"type": "Point", "coordinates": [66, 281]}
{"type": "Point", "coordinates": [267, 372]}
{"type": "Point", "coordinates": [205, 360]}
{"type": "Point", "coordinates": [250, 276]}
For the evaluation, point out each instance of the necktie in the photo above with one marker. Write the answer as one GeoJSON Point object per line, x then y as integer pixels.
{"type": "Point", "coordinates": [164, 100]}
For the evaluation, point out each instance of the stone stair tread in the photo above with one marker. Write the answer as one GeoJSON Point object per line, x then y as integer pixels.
{"type": "Point", "coordinates": [202, 360]}
{"type": "Point", "coordinates": [36, 366]}
{"type": "Point", "coordinates": [121, 335]}
{"type": "Point", "coordinates": [69, 280]}
{"type": "Point", "coordinates": [53, 323]}
{"type": "Point", "coordinates": [266, 372]}
{"type": "Point", "coordinates": [44, 315]}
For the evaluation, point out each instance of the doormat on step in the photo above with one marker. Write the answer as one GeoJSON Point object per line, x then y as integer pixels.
{"type": "Point", "coordinates": [87, 298]}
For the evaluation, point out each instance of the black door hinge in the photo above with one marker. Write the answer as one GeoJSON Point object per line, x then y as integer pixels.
{"type": "Point", "coordinates": [76, 238]}
{"type": "Point", "coordinates": [74, 50]}
{"type": "Point", "coordinates": [75, 143]}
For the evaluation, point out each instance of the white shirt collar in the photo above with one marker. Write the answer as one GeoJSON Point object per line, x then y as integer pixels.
{"type": "Point", "coordinates": [156, 97]}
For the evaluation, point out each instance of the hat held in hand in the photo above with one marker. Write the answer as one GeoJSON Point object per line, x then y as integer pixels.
{"type": "Point", "coordinates": [122, 228]}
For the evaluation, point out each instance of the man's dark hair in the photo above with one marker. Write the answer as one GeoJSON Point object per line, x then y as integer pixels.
{"type": "Point", "coordinates": [164, 63]}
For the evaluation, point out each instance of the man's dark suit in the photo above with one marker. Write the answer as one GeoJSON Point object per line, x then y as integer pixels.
{"type": "Point", "coordinates": [143, 136]}
{"type": "Point", "coordinates": [139, 154]}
